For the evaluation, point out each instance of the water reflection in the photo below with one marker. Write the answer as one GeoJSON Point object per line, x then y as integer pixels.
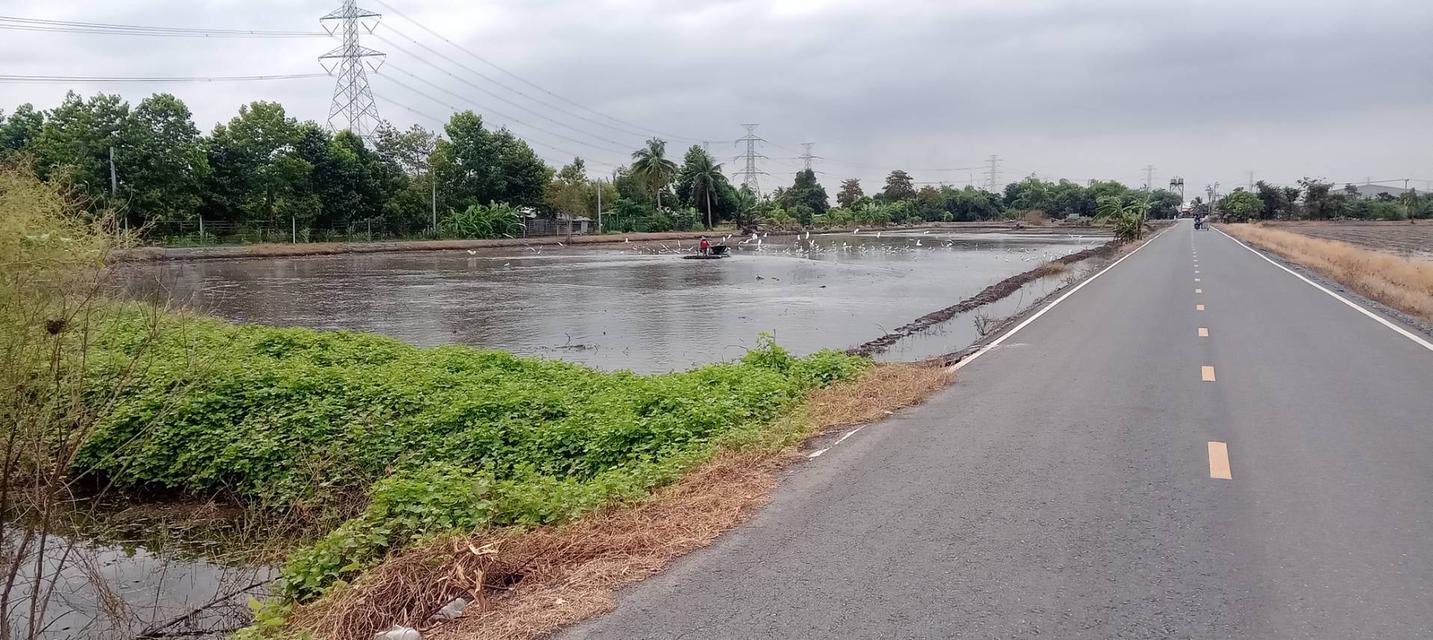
{"type": "Point", "coordinates": [620, 306]}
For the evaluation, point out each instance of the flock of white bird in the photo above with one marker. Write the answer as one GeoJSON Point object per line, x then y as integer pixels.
{"type": "Point", "coordinates": [835, 244]}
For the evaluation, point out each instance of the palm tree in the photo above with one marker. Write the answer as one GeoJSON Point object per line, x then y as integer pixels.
{"type": "Point", "coordinates": [705, 175]}
{"type": "Point", "coordinates": [651, 166]}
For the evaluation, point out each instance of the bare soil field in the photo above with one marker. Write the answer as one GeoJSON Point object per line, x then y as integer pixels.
{"type": "Point", "coordinates": [1401, 238]}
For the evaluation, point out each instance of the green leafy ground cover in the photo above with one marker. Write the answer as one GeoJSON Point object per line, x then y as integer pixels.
{"type": "Point", "coordinates": [403, 443]}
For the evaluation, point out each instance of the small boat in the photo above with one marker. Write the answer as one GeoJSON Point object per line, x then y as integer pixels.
{"type": "Point", "coordinates": [717, 252]}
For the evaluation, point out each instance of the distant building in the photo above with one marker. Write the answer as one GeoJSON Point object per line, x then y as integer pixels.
{"type": "Point", "coordinates": [559, 224]}
{"type": "Point", "coordinates": [1373, 191]}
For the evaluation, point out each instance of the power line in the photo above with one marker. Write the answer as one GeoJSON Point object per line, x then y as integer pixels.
{"type": "Point", "coordinates": [456, 109]}
{"type": "Point", "coordinates": [648, 131]}
{"type": "Point", "coordinates": [38, 24]}
{"type": "Point", "coordinates": [495, 112]}
{"type": "Point", "coordinates": [504, 87]}
{"type": "Point", "coordinates": [494, 95]}
{"type": "Point", "coordinates": [106, 79]}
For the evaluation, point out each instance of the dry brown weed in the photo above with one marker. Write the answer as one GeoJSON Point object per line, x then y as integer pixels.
{"type": "Point", "coordinates": [1398, 282]}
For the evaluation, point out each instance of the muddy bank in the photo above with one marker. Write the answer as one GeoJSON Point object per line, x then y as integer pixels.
{"type": "Point", "coordinates": [989, 295]}
{"type": "Point", "coordinates": [283, 250]}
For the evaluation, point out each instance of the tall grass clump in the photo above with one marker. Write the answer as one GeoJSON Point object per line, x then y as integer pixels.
{"type": "Point", "coordinates": [52, 277]}
{"type": "Point", "coordinates": [1405, 284]}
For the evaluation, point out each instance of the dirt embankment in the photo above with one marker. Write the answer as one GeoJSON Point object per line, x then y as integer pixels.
{"type": "Point", "coordinates": [991, 294]}
{"type": "Point", "coordinates": [274, 250]}
{"type": "Point", "coordinates": [284, 250]}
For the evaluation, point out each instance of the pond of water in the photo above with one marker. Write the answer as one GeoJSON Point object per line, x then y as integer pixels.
{"type": "Point", "coordinates": [618, 306]}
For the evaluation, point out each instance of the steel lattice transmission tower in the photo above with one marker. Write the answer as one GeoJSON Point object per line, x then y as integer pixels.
{"type": "Point", "coordinates": [750, 172]}
{"type": "Point", "coordinates": [806, 156]}
{"type": "Point", "coordinates": [993, 174]}
{"type": "Point", "coordinates": [350, 62]}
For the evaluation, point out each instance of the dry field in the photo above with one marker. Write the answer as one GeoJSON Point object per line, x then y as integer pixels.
{"type": "Point", "coordinates": [1402, 238]}
{"type": "Point", "coordinates": [1401, 282]}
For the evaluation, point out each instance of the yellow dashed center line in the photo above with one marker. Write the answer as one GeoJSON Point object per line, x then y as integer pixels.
{"type": "Point", "coordinates": [1219, 461]}
{"type": "Point", "coordinates": [1203, 332]}
{"type": "Point", "coordinates": [1199, 291]}
{"type": "Point", "coordinates": [1207, 373]}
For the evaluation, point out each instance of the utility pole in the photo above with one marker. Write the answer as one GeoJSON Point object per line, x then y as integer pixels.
{"type": "Point", "coordinates": [433, 178]}
{"type": "Point", "coordinates": [114, 190]}
{"type": "Point", "coordinates": [1409, 197]}
{"type": "Point", "coordinates": [994, 174]}
{"type": "Point", "coordinates": [1148, 191]}
{"type": "Point", "coordinates": [599, 207]}
{"type": "Point", "coordinates": [1251, 181]}
{"type": "Point", "coordinates": [749, 173]}
{"type": "Point", "coordinates": [350, 62]}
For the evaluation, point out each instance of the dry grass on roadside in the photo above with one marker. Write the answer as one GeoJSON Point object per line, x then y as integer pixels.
{"type": "Point", "coordinates": [534, 582]}
{"type": "Point", "coordinates": [1398, 282]}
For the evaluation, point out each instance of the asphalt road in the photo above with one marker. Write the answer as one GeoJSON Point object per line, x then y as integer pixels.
{"type": "Point", "coordinates": [1066, 485]}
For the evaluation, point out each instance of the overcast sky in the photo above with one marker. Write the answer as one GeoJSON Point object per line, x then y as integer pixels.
{"type": "Point", "coordinates": [1340, 89]}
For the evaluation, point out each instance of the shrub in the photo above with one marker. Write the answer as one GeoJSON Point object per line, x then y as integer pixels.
{"type": "Point", "coordinates": [485, 221]}
{"type": "Point", "coordinates": [441, 440]}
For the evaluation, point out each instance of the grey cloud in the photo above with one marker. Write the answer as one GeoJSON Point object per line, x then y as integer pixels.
{"type": "Point", "coordinates": [1085, 89]}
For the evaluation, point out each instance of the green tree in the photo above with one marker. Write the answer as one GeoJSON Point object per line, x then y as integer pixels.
{"type": "Point", "coordinates": [850, 193]}
{"type": "Point", "coordinates": [76, 139]}
{"type": "Point", "coordinates": [930, 204]}
{"type": "Point", "coordinates": [1319, 203]}
{"type": "Point", "coordinates": [255, 174]}
{"type": "Point", "coordinates": [805, 193]}
{"type": "Point", "coordinates": [1241, 206]}
{"type": "Point", "coordinates": [476, 166]}
{"type": "Point", "coordinates": [162, 161]}
{"type": "Point", "coordinates": [1164, 204]}
{"type": "Point", "coordinates": [653, 169]}
{"type": "Point", "coordinates": [570, 191]}
{"type": "Point", "coordinates": [899, 186]}
{"type": "Point", "coordinates": [20, 129]}
{"type": "Point", "coordinates": [701, 185]}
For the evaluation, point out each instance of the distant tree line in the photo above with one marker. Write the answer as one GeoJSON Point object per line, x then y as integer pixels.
{"type": "Point", "coordinates": [266, 170]}
{"type": "Point", "coordinates": [1316, 199]}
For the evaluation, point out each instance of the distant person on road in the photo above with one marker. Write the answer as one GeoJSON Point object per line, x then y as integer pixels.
{"type": "Point", "coordinates": [1199, 220]}
{"type": "Point", "coordinates": [705, 246]}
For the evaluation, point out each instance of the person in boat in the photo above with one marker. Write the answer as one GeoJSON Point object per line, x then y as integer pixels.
{"type": "Point", "coordinates": [705, 246]}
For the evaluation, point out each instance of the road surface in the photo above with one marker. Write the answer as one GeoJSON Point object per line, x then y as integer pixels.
{"type": "Point", "coordinates": [1126, 466]}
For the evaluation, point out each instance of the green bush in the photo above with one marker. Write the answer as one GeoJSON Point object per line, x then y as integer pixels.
{"type": "Point", "coordinates": [485, 221]}
{"type": "Point", "coordinates": [440, 440]}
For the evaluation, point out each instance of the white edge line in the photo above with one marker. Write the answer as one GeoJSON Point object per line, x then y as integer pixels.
{"type": "Point", "coordinates": [957, 366]}
{"type": "Point", "coordinates": [1380, 319]}
{"type": "Point", "coordinates": [995, 343]}
{"type": "Point", "coordinates": [817, 454]}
